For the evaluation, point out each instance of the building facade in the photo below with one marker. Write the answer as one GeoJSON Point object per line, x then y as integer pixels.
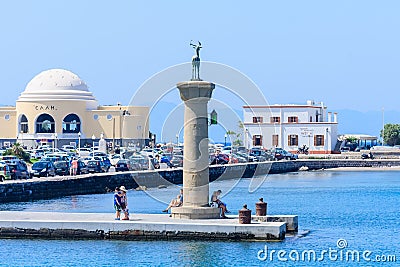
{"type": "Point", "coordinates": [291, 126]}
{"type": "Point", "coordinates": [57, 108]}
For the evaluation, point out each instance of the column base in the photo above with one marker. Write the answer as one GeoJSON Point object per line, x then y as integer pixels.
{"type": "Point", "coordinates": [195, 213]}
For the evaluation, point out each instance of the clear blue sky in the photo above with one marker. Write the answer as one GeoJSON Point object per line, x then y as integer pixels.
{"type": "Point", "coordinates": [345, 53]}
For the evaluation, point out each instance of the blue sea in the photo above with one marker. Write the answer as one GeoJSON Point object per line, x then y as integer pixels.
{"type": "Point", "coordinates": [352, 219]}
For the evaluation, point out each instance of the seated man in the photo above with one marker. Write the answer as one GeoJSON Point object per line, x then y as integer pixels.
{"type": "Point", "coordinates": [221, 205]}
{"type": "Point", "coordinates": [176, 202]}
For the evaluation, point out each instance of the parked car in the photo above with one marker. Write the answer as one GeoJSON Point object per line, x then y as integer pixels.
{"type": "Point", "coordinates": [43, 168]}
{"type": "Point", "coordinates": [123, 165]}
{"type": "Point", "coordinates": [96, 166]}
{"type": "Point", "coordinates": [260, 155]}
{"type": "Point", "coordinates": [62, 167]}
{"type": "Point", "coordinates": [56, 157]}
{"type": "Point", "coordinates": [155, 162]}
{"type": "Point", "coordinates": [139, 162]}
{"type": "Point", "coordinates": [148, 152]}
{"type": "Point", "coordinates": [19, 170]}
{"type": "Point", "coordinates": [5, 173]}
{"type": "Point", "coordinates": [345, 149]}
{"type": "Point", "coordinates": [107, 162]}
{"type": "Point", "coordinates": [86, 159]}
{"type": "Point", "coordinates": [177, 161]}
{"type": "Point", "coordinates": [218, 159]}
{"type": "Point", "coordinates": [359, 148]}
{"type": "Point", "coordinates": [83, 152]}
{"type": "Point", "coordinates": [280, 153]}
{"type": "Point", "coordinates": [68, 148]}
{"type": "Point", "coordinates": [246, 156]}
{"type": "Point", "coordinates": [38, 153]}
{"type": "Point", "coordinates": [99, 154]}
{"type": "Point", "coordinates": [82, 168]}
{"type": "Point", "coordinates": [10, 159]}
{"type": "Point", "coordinates": [239, 158]}
{"type": "Point", "coordinates": [115, 158]}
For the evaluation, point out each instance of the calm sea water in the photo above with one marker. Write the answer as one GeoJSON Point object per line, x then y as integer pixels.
{"type": "Point", "coordinates": [361, 208]}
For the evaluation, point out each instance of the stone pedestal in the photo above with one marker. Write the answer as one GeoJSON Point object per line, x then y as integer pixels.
{"type": "Point", "coordinates": [195, 95]}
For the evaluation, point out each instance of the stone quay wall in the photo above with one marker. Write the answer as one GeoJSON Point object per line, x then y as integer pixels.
{"type": "Point", "coordinates": [54, 187]}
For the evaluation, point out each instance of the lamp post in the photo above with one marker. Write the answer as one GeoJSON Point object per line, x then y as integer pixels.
{"type": "Point", "coordinates": [53, 137]}
{"type": "Point", "coordinates": [225, 139]}
{"type": "Point", "coordinates": [79, 141]}
{"type": "Point", "coordinates": [93, 138]}
{"type": "Point", "coordinates": [327, 141]}
{"type": "Point", "coordinates": [246, 133]}
{"type": "Point", "coordinates": [177, 140]}
{"type": "Point", "coordinates": [152, 142]}
{"type": "Point", "coordinates": [22, 138]}
{"type": "Point", "coordinates": [55, 140]}
{"type": "Point", "coordinates": [383, 126]}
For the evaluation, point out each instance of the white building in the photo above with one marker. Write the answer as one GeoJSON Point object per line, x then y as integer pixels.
{"type": "Point", "coordinates": [291, 126]}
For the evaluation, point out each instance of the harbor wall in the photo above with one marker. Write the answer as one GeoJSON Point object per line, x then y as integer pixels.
{"type": "Point", "coordinates": [54, 187]}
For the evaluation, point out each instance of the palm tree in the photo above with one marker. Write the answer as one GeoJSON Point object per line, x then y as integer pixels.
{"type": "Point", "coordinates": [17, 150]}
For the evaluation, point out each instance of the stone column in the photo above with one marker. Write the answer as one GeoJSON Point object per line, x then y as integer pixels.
{"type": "Point", "coordinates": [195, 95]}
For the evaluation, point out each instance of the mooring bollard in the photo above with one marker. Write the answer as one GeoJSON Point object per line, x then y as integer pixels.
{"type": "Point", "coordinates": [245, 215]}
{"type": "Point", "coordinates": [261, 208]}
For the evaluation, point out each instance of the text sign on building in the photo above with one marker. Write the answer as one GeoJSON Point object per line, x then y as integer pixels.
{"type": "Point", "coordinates": [306, 132]}
{"type": "Point", "coordinates": [44, 107]}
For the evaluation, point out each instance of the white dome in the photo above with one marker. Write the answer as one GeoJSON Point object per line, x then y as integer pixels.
{"type": "Point", "coordinates": [56, 84]}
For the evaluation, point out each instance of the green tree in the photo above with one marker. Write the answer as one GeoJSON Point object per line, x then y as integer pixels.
{"type": "Point", "coordinates": [18, 150]}
{"type": "Point", "coordinates": [391, 134]}
{"type": "Point", "coordinates": [236, 137]}
{"type": "Point", "coordinates": [351, 139]}
{"type": "Point", "coordinates": [231, 135]}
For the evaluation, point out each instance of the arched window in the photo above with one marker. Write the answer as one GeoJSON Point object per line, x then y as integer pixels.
{"type": "Point", "coordinates": [45, 124]}
{"type": "Point", "coordinates": [23, 124]}
{"type": "Point", "coordinates": [71, 124]}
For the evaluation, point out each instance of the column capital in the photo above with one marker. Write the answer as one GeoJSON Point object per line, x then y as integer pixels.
{"type": "Point", "coordinates": [195, 89]}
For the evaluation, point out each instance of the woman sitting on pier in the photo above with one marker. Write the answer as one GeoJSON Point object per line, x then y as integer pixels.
{"type": "Point", "coordinates": [221, 205]}
{"type": "Point", "coordinates": [176, 202]}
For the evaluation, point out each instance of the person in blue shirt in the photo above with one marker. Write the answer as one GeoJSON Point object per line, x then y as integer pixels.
{"type": "Point", "coordinates": [117, 203]}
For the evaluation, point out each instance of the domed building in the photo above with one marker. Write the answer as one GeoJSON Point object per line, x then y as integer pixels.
{"type": "Point", "coordinates": [56, 108]}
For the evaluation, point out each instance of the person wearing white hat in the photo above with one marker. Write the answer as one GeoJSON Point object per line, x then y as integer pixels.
{"type": "Point", "coordinates": [124, 203]}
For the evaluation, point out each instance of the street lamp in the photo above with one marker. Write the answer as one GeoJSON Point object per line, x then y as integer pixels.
{"type": "Point", "coordinates": [22, 138]}
{"type": "Point", "coordinates": [152, 142]}
{"type": "Point", "coordinates": [177, 140]}
{"type": "Point", "coordinates": [225, 138]}
{"type": "Point", "coordinates": [93, 138]}
{"type": "Point", "coordinates": [79, 143]}
{"type": "Point", "coordinates": [53, 137]}
{"type": "Point", "coordinates": [55, 140]}
{"type": "Point", "coordinates": [246, 132]}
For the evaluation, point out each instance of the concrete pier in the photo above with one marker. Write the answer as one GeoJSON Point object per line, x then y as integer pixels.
{"type": "Point", "coordinates": [54, 225]}
{"type": "Point", "coordinates": [292, 221]}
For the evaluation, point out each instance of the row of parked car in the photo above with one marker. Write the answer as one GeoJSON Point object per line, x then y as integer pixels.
{"type": "Point", "coordinates": [58, 161]}
{"type": "Point", "coordinates": [13, 168]}
{"type": "Point", "coordinates": [233, 155]}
